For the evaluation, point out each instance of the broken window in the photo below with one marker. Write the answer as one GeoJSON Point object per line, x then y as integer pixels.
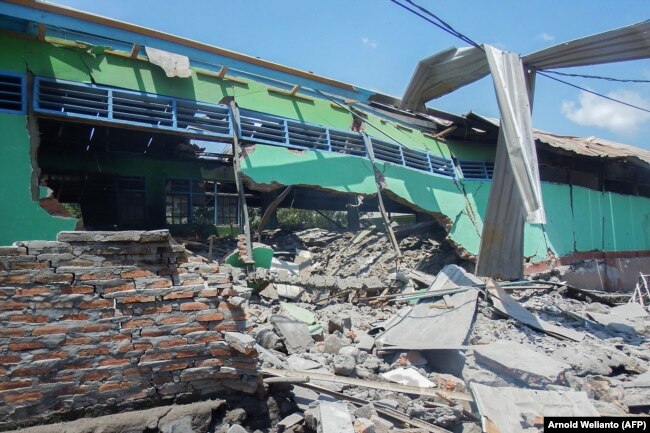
{"type": "Point", "coordinates": [197, 202]}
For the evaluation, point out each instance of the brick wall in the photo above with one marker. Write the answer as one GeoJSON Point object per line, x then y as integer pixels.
{"type": "Point", "coordinates": [100, 321]}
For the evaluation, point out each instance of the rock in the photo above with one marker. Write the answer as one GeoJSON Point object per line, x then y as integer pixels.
{"type": "Point", "coordinates": [294, 333]}
{"type": "Point", "coordinates": [470, 427]}
{"type": "Point", "coordinates": [268, 339]}
{"type": "Point", "coordinates": [236, 428]}
{"type": "Point", "coordinates": [290, 421]}
{"type": "Point", "coordinates": [243, 343]}
{"type": "Point", "coordinates": [334, 418]}
{"type": "Point", "coordinates": [350, 351]}
{"type": "Point", "coordinates": [381, 425]}
{"type": "Point", "coordinates": [363, 425]}
{"type": "Point", "coordinates": [590, 359]}
{"type": "Point", "coordinates": [366, 411]}
{"type": "Point", "coordinates": [387, 402]}
{"type": "Point", "coordinates": [340, 322]}
{"type": "Point", "coordinates": [344, 365]}
{"type": "Point", "coordinates": [288, 291]}
{"type": "Point", "coordinates": [334, 343]}
{"type": "Point", "coordinates": [235, 416]}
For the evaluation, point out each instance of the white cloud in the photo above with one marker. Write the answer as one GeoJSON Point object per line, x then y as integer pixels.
{"type": "Point", "coordinates": [546, 37]}
{"type": "Point", "coordinates": [593, 110]}
{"type": "Point", "coordinates": [367, 42]}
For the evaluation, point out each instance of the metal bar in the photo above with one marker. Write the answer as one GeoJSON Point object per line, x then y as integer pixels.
{"type": "Point", "coordinates": [380, 201]}
{"type": "Point", "coordinates": [234, 110]}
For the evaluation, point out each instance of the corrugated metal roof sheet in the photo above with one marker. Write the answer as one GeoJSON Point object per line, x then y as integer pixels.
{"type": "Point", "coordinates": [623, 44]}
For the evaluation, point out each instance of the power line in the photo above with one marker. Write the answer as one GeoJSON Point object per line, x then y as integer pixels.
{"type": "Point", "coordinates": [593, 93]}
{"type": "Point", "coordinates": [441, 24]}
{"type": "Point", "coordinates": [595, 77]}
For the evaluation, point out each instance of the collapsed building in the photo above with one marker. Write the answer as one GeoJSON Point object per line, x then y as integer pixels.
{"type": "Point", "coordinates": [96, 114]}
{"type": "Point", "coordinates": [127, 132]}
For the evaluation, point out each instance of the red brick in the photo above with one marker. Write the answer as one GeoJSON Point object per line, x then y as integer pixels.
{"type": "Point", "coordinates": [172, 343]}
{"type": "Point", "coordinates": [77, 290]}
{"type": "Point", "coordinates": [121, 288]}
{"type": "Point", "coordinates": [31, 372]}
{"type": "Point", "coordinates": [188, 354]}
{"type": "Point", "coordinates": [108, 387]}
{"type": "Point", "coordinates": [77, 316]}
{"type": "Point", "coordinates": [113, 361]}
{"type": "Point", "coordinates": [132, 371]}
{"type": "Point", "coordinates": [210, 317]}
{"type": "Point", "coordinates": [220, 352]}
{"type": "Point", "coordinates": [138, 323]}
{"type": "Point", "coordinates": [13, 305]}
{"type": "Point", "coordinates": [208, 339]}
{"type": "Point", "coordinates": [137, 299]}
{"type": "Point", "coordinates": [178, 295]}
{"type": "Point", "coordinates": [142, 346]}
{"type": "Point", "coordinates": [159, 284]}
{"type": "Point", "coordinates": [54, 278]}
{"type": "Point", "coordinates": [97, 276]}
{"type": "Point", "coordinates": [153, 332]}
{"type": "Point", "coordinates": [194, 306]}
{"type": "Point", "coordinates": [173, 320]}
{"type": "Point", "coordinates": [17, 266]}
{"type": "Point", "coordinates": [96, 328]}
{"type": "Point", "coordinates": [175, 366]}
{"type": "Point", "coordinates": [137, 273]}
{"type": "Point", "coordinates": [116, 337]}
{"type": "Point", "coordinates": [33, 291]}
{"type": "Point", "coordinates": [15, 279]}
{"type": "Point", "coordinates": [210, 363]}
{"type": "Point", "coordinates": [209, 293]}
{"type": "Point", "coordinates": [96, 303]}
{"type": "Point", "coordinates": [9, 359]}
{"type": "Point", "coordinates": [231, 327]}
{"type": "Point", "coordinates": [50, 355]}
{"type": "Point", "coordinates": [4, 386]}
{"type": "Point", "coordinates": [45, 330]}
{"type": "Point", "coordinates": [25, 396]}
{"type": "Point", "coordinates": [79, 341]}
{"type": "Point", "coordinates": [158, 310]}
{"type": "Point", "coordinates": [95, 375]}
{"type": "Point", "coordinates": [12, 332]}
{"type": "Point", "coordinates": [163, 356]}
{"type": "Point", "coordinates": [73, 390]}
{"type": "Point", "coordinates": [79, 365]}
{"type": "Point", "coordinates": [189, 329]}
{"type": "Point", "coordinates": [137, 396]}
{"type": "Point", "coordinates": [94, 352]}
{"type": "Point", "coordinates": [193, 282]}
{"type": "Point", "coordinates": [28, 318]}
{"type": "Point", "coordinates": [30, 345]}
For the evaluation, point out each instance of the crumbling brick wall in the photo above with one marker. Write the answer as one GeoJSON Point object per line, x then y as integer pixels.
{"type": "Point", "coordinates": [105, 320]}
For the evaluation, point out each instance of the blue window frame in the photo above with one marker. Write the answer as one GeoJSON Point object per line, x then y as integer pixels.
{"type": "Point", "coordinates": [12, 93]}
{"type": "Point", "coordinates": [197, 202]}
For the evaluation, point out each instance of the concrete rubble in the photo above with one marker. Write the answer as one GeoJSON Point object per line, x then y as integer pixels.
{"type": "Point", "coordinates": [533, 347]}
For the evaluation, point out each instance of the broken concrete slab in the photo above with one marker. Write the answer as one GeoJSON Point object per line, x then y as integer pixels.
{"type": "Point", "coordinates": [294, 333]}
{"type": "Point", "coordinates": [440, 325]}
{"type": "Point", "coordinates": [507, 408]}
{"type": "Point", "coordinates": [364, 341]}
{"type": "Point", "coordinates": [334, 418]}
{"type": "Point", "coordinates": [289, 291]}
{"type": "Point", "coordinates": [631, 310]}
{"type": "Point", "coordinates": [303, 397]}
{"type": "Point", "coordinates": [453, 276]}
{"type": "Point", "coordinates": [194, 417]}
{"type": "Point", "coordinates": [290, 421]}
{"type": "Point", "coordinates": [507, 306]}
{"type": "Point", "coordinates": [242, 343]}
{"type": "Point", "coordinates": [408, 376]}
{"type": "Point", "coordinates": [521, 363]}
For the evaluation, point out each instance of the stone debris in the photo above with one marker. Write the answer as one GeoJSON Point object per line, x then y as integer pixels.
{"type": "Point", "coordinates": [350, 343]}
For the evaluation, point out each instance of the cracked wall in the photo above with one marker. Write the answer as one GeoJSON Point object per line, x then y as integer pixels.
{"type": "Point", "coordinates": [106, 320]}
{"type": "Point", "coordinates": [578, 219]}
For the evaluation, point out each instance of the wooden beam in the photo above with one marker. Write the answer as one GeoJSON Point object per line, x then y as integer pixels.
{"type": "Point", "coordinates": [135, 49]}
{"type": "Point", "coordinates": [441, 135]}
{"type": "Point", "coordinates": [291, 93]}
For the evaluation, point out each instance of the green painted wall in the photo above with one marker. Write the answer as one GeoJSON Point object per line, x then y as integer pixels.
{"type": "Point", "coordinates": [74, 64]}
{"type": "Point", "coordinates": [21, 218]}
{"type": "Point", "coordinates": [578, 219]}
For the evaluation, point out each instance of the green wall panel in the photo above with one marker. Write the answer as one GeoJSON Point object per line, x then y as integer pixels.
{"type": "Point", "coordinates": [20, 216]}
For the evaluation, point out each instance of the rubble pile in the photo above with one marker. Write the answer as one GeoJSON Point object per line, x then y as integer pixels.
{"type": "Point", "coordinates": [367, 253]}
{"type": "Point", "coordinates": [420, 345]}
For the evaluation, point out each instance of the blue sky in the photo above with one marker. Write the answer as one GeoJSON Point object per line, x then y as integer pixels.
{"type": "Point", "coordinates": [375, 44]}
